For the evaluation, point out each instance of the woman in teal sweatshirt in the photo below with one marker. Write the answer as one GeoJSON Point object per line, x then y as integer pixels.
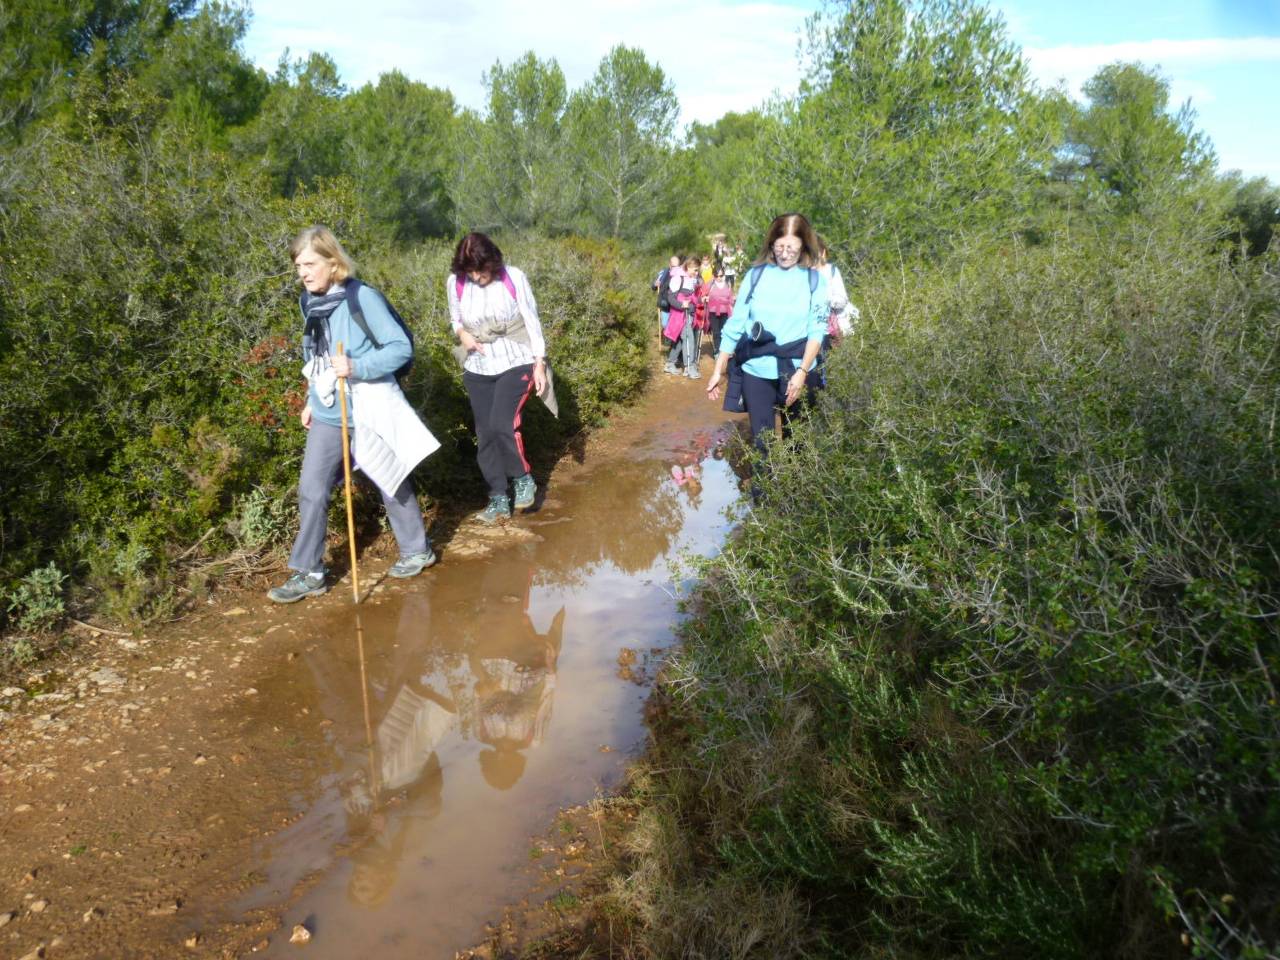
{"type": "Point", "coordinates": [775, 331]}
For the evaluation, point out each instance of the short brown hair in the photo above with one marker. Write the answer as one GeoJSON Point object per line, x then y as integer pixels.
{"type": "Point", "coordinates": [321, 240]}
{"type": "Point", "coordinates": [791, 225]}
{"type": "Point", "coordinates": [477, 253]}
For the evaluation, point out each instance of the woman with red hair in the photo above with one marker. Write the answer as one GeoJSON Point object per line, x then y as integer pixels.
{"type": "Point", "coordinates": [495, 318]}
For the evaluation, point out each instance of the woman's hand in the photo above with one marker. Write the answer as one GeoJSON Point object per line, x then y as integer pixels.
{"type": "Point", "coordinates": [539, 376]}
{"type": "Point", "coordinates": [305, 417]}
{"type": "Point", "coordinates": [470, 343]}
{"type": "Point", "coordinates": [342, 365]}
{"type": "Point", "coordinates": [795, 385]}
{"type": "Point", "coordinates": [713, 385]}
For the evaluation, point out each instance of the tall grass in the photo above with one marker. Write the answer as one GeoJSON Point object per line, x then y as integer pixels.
{"type": "Point", "coordinates": [993, 670]}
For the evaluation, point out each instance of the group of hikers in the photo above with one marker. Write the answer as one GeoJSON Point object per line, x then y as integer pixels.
{"type": "Point", "coordinates": [352, 337]}
{"type": "Point", "coordinates": [770, 323]}
{"type": "Point", "coordinates": [769, 332]}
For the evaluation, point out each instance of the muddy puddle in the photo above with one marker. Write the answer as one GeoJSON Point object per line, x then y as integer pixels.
{"type": "Point", "coordinates": [460, 713]}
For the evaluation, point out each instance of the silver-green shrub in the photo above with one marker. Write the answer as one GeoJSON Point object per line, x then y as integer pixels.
{"type": "Point", "coordinates": [37, 603]}
{"type": "Point", "coordinates": [993, 669]}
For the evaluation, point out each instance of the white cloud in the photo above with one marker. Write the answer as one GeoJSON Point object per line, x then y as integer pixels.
{"type": "Point", "coordinates": [719, 55]}
{"type": "Point", "coordinates": [1076, 63]}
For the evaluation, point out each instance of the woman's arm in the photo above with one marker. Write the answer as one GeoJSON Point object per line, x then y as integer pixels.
{"type": "Point", "coordinates": [796, 383]}
{"type": "Point", "coordinates": [529, 307]}
{"type": "Point", "coordinates": [469, 343]}
{"type": "Point", "coordinates": [368, 363]}
{"type": "Point", "coordinates": [532, 325]}
{"type": "Point", "coordinates": [837, 296]}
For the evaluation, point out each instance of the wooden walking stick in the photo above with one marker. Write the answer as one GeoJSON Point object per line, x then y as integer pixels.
{"type": "Point", "coordinates": [375, 784]}
{"type": "Point", "coordinates": [346, 475]}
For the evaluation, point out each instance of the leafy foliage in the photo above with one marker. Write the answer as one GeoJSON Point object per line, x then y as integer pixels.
{"type": "Point", "coordinates": [36, 604]}
{"type": "Point", "coordinates": [1127, 142]}
{"type": "Point", "coordinates": [619, 125]}
{"type": "Point", "coordinates": [993, 670]}
{"type": "Point", "coordinates": [513, 173]}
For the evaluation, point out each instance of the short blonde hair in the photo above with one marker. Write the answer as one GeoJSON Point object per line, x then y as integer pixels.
{"type": "Point", "coordinates": [321, 240]}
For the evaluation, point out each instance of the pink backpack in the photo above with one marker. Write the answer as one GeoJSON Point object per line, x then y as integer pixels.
{"type": "Point", "coordinates": [460, 281]}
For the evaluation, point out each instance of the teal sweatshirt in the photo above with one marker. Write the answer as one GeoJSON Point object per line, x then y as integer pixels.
{"type": "Point", "coordinates": [783, 306]}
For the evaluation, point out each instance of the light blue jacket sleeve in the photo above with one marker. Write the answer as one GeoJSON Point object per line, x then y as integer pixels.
{"type": "Point", "coordinates": [368, 363]}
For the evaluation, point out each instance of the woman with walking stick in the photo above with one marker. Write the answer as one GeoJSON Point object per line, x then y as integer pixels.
{"type": "Point", "coordinates": [375, 347]}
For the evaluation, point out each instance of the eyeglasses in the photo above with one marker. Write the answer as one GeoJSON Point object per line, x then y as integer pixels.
{"type": "Point", "coordinates": [781, 247]}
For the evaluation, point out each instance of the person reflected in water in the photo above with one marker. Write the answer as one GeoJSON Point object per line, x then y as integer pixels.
{"type": "Point", "coordinates": [396, 788]}
{"type": "Point", "coordinates": [388, 831]}
{"type": "Point", "coordinates": [514, 667]}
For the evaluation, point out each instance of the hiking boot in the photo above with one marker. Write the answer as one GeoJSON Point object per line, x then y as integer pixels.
{"type": "Point", "coordinates": [694, 373]}
{"type": "Point", "coordinates": [499, 508]}
{"type": "Point", "coordinates": [525, 489]}
{"type": "Point", "coordinates": [671, 369]}
{"type": "Point", "coordinates": [412, 565]}
{"type": "Point", "coordinates": [298, 586]}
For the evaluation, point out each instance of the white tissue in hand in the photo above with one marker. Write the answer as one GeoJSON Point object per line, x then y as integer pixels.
{"type": "Point", "coordinates": [323, 380]}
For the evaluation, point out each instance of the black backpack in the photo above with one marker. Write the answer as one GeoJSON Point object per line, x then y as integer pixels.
{"type": "Point", "coordinates": [352, 292]}
{"type": "Point", "coordinates": [664, 291]}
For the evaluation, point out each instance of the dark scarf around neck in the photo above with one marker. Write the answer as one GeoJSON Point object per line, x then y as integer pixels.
{"type": "Point", "coordinates": [315, 336]}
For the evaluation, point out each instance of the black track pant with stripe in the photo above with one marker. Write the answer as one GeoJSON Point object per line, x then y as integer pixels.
{"type": "Point", "coordinates": [498, 404]}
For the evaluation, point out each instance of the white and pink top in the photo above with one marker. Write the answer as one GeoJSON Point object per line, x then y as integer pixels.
{"type": "Point", "coordinates": [493, 304]}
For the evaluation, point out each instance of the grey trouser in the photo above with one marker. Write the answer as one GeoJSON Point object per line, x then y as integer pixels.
{"type": "Point", "coordinates": [686, 347]}
{"type": "Point", "coordinates": [321, 470]}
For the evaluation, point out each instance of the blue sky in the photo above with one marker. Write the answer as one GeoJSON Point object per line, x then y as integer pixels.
{"type": "Point", "coordinates": [1222, 55]}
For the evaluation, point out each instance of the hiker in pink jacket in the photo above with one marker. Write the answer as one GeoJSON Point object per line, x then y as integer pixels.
{"type": "Point", "coordinates": [682, 298]}
{"type": "Point", "coordinates": [720, 298]}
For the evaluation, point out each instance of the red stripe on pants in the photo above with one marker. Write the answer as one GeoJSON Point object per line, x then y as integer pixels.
{"type": "Point", "coordinates": [515, 425]}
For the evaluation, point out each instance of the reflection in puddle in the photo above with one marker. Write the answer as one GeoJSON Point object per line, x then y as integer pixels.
{"type": "Point", "coordinates": [437, 701]}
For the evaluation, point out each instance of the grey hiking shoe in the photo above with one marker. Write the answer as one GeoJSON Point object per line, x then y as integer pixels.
{"type": "Point", "coordinates": [671, 369]}
{"type": "Point", "coordinates": [526, 489]}
{"type": "Point", "coordinates": [498, 508]}
{"type": "Point", "coordinates": [298, 586]}
{"type": "Point", "coordinates": [412, 565]}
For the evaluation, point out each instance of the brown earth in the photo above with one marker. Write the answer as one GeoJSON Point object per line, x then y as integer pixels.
{"type": "Point", "coordinates": [133, 787]}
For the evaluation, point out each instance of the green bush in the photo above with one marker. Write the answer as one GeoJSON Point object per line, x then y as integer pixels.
{"type": "Point", "coordinates": [993, 670]}
{"type": "Point", "coordinates": [149, 343]}
{"type": "Point", "coordinates": [36, 603]}
{"type": "Point", "coordinates": [262, 521]}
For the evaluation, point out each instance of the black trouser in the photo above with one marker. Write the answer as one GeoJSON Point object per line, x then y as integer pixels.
{"type": "Point", "coordinates": [497, 402]}
{"type": "Point", "coordinates": [717, 324]}
{"type": "Point", "coordinates": [764, 399]}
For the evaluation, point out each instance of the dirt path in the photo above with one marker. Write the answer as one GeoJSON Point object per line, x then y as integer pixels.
{"type": "Point", "coordinates": [152, 785]}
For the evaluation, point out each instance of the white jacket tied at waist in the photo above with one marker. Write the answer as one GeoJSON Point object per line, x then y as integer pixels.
{"type": "Point", "coordinates": [390, 439]}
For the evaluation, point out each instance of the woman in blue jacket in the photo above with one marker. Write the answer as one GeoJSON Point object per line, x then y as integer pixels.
{"type": "Point", "coordinates": [324, 268]}
{"type": "Point", "coordinates": [774, 335]}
